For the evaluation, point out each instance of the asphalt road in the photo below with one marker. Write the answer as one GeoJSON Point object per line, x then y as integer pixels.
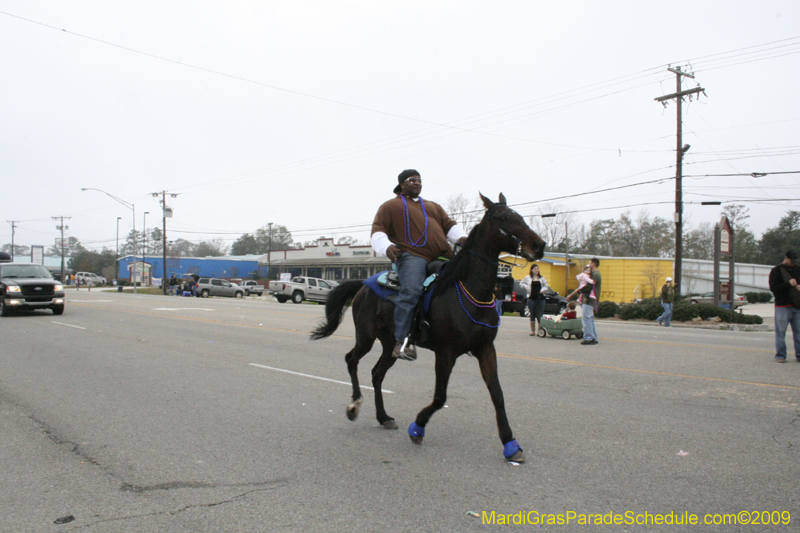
{"type": "Point", "coordinates": [149, 413]}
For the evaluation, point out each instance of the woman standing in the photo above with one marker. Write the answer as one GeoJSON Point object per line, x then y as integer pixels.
{"type": "Point", "coordinates": [535, 284]}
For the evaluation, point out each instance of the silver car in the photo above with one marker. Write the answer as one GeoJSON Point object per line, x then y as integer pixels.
{"type": "Point", "coordinates": [218, 287]}
{"type": "Point", "coordinates": [708, 298]}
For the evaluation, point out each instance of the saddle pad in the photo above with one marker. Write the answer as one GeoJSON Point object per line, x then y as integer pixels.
{"type": "Point", "coordinates": [388, 294]}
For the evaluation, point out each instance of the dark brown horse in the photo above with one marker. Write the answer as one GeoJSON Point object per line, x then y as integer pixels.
{"type": "Point", "coordinates": [462, 319]}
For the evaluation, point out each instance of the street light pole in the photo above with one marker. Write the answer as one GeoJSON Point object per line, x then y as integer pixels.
{"type": "Point", "coordinates": [269, 253]}
{"type": "Point", "coordinates": [129, 206]}
{"type": "Point", "coordinates": [116, 256]}
{"type": "Point", "coordinates": [144, 247]}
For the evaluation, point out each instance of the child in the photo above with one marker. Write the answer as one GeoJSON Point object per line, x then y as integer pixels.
{"type": "Point", "coordinates": [569, 314]}
{"type": "Point", "coordinates": [584, 278]}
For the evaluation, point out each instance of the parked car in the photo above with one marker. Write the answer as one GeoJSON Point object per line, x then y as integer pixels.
{"type": "Point", "coordinates": [218, 287]}
{"type": "Point", "coordinates": [513, 296]}
{"type": "Point", "coordinates": [708, 298]}
{"type": "Point", "coordinates": [251, 286]}
{"type": "Point", "coordinates": [302, 288]}
{"type": "Point", "coordinates": [27, 286]}
{"type": "Point", "coordinates": [84, 278]}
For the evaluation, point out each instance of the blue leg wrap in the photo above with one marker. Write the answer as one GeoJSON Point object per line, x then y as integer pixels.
{"type": "Point", "coordinates": [416, 431]}
{"type": "Point", "coordinates": [509, 449]}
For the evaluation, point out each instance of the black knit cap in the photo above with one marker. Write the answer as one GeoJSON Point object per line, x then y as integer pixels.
{"type": "Point", "coordinates": [403, 176]}
{"type": "Point", "coordinates": [793, 255]}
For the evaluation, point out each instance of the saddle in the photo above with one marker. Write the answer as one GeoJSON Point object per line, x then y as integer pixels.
{"type": "Point", "coordinates": [387, 285]}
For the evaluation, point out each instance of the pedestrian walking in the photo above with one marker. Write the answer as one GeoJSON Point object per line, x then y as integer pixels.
{"type": "Point", "coordinates": [667, 299]}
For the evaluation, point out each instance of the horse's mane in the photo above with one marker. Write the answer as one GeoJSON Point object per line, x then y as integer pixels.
{"type": "Point", "coordinates": [457, 267]}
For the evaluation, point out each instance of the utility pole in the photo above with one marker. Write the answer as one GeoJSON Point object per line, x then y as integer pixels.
{"type": "Point", "coordinates": [62, 227]}
{"type": "Point", "coordinates": [269, 254]}
{"type": "Point", "coordinates": [13, 228]}
{"type": "Point", "coordinates": [566, 258]}
{"type": "Point", "coordinates": [681, 149]}
{"type": "Point", "coordinates": [166, 212]}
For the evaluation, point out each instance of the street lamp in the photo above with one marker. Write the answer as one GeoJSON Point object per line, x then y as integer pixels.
{"type": "Point", "coordinates": [269, 253]}
{"type": "Point", "coordinates": [116, 256]}
{"type": "Point", "coordinates": [144, 237]}
{"type": "Point", "coordinates": [129, 206]}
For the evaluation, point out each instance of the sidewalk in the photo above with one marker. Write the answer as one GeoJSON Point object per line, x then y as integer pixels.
{"type": "Point", "coordinates": [765, 311]}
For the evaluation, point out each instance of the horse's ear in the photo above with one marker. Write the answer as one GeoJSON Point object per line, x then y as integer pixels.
{"type": "Point", "coordinates": [502, 199]}
{"type": "Point", "coordinates": [488, 204]}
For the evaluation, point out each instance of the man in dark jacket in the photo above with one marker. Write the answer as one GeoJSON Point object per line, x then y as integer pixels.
{"type": "Point", "coordinates": [783, 281]}
{"type": "Point", "coordinates": [667, 298]}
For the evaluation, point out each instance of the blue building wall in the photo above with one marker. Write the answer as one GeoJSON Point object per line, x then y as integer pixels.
{"type": "Point", "coordinates": [213, 267]}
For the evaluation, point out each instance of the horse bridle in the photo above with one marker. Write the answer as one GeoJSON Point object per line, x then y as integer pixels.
{"type": "Point", "coordinates": [504, 232]}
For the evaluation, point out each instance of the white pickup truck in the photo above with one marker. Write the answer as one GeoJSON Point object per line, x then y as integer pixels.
{"type": "Point", "coordinates": [252, 286]}
{"type": "Point", "coordinates": [302, 288]}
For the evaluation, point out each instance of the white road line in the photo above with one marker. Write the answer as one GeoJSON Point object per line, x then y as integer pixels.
{"type": "Point", "coordinates": [68, 325]}
{"type": "Point", "coordinates": [316, 377]}
{"type": "Point", "coordinates": [181, 309]}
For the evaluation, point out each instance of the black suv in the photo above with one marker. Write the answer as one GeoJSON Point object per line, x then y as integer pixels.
{"type": "Point", "coordinates": [26, 286]}
{"type": "Point", "coordinates": [513, 295]}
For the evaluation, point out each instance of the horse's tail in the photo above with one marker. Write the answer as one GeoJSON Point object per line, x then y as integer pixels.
{"type": "Point", "coordinates": [338, 300]}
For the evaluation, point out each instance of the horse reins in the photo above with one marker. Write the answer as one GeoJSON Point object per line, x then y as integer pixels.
{"type": "Point", "coordinates": [504, 232]}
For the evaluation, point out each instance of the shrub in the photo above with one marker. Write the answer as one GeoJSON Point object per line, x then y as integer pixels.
{"type": "Point", "coordinates": [607, 310]}
{"type": "Point", "coordinates": [631, 311]}
{"type": "Point", "coordinates": [758, 297]}
{"type": "Point", "coordinates": [686, 312]}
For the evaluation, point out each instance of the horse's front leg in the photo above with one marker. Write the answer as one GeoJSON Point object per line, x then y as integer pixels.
{"type": "Point", "coordinates": [487, 359]}
{"type": "Point", "coordinates": [444, 367]}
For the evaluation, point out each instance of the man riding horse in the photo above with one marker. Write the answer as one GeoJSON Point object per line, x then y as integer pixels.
{"type": "Point", "coordinates": [411, 233]}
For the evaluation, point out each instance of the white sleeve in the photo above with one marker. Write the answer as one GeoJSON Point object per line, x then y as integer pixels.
{"type": "Point", "coordinates": [544, 284]}
{"type": "Point", "coordinates": [455, 233]}
{"type": "Point", "coordinates": [380, 242]}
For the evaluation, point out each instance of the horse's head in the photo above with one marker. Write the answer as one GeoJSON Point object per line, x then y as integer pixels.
{"type": "Point", "coordinates": [514, 235]}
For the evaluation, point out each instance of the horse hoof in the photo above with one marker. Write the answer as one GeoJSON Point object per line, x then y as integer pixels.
{"type": "Point", "coordinates": [390, 424]}
{"type": "Point", "coordinates": [518, 457]}
{"type": "Point", "coordinates": [416, 433]}
{"type": "Point", "coordinates": [513, 451]}
{"type": "Point", "coordinates": [352, 409]}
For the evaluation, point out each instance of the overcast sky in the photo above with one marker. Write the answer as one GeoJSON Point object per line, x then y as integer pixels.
{"type": "Point", "coordinates": [302, 113]}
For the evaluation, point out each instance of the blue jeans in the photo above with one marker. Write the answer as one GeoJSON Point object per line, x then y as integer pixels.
{"type": "Point", "coordinates": [411, 269]}
{"type": "Point", "coordinates": [666, 316]}
{"type": "Point", "coordinates": [587, 319]}
{"type": "Point", "coordinates": [783, 317]}
{"type": "Point", "coordinates": [536, 308]}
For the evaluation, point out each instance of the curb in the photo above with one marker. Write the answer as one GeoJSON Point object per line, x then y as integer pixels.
{"type": "Point", "coordinates": [718, 326]}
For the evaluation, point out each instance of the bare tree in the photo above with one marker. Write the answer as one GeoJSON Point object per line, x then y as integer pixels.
{"type": "Point", "coordinates": [460, 210]}
{"type": "Point", "coordinates": [653, 273]}
{"type": "Point", "coordinates": [554, 229]}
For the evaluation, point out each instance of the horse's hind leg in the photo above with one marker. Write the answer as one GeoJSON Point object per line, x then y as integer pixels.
{"type": "Point", "coordinates": [362, 347]}
{"type": "Point", "coordinates": [385, 362]}
{"type": "Point", "coordinates": [487, 359]}
{"type": "Point", "coordinates": [444, 367]}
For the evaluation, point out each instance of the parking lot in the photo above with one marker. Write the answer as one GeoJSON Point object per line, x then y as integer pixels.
{"type": "Point", "coordinates": [148, 413]}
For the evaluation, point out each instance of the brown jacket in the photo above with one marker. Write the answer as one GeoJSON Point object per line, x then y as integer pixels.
{"type": "Point", "coordinates": [390, 219]}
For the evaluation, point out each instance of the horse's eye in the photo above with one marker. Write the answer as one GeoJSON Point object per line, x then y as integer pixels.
{"type": "Point", "coordinates": [502, 219]}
